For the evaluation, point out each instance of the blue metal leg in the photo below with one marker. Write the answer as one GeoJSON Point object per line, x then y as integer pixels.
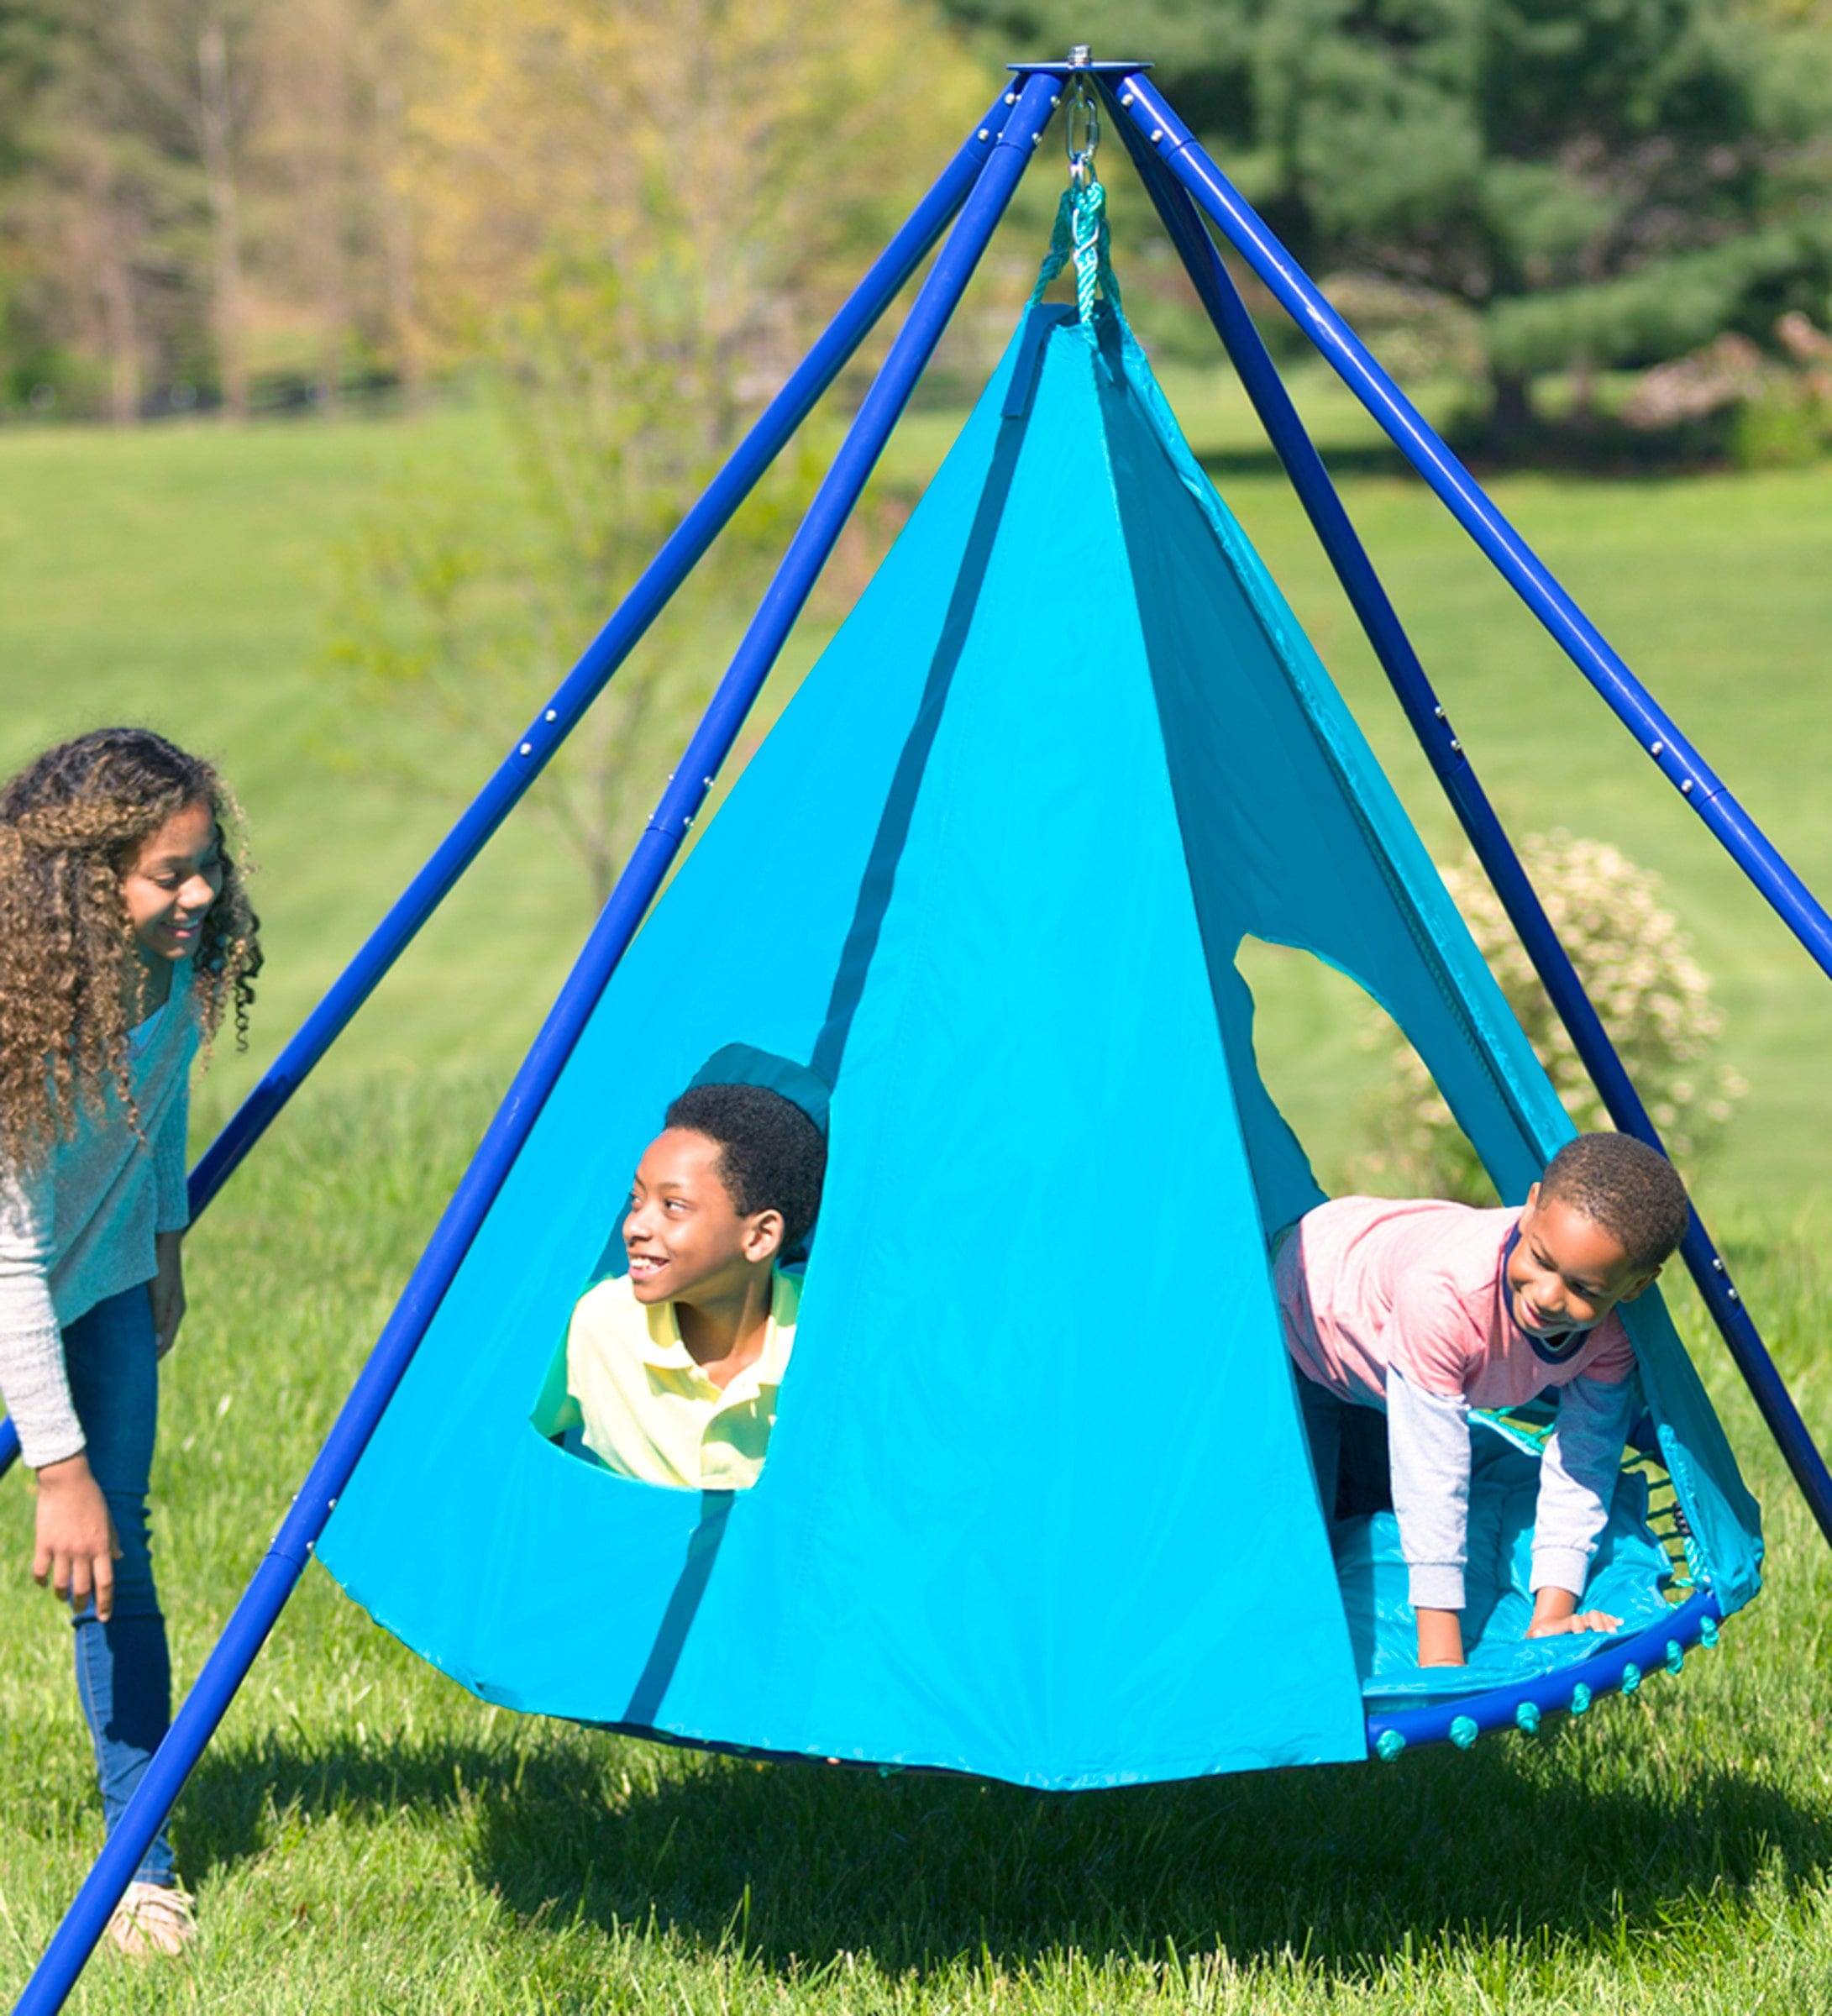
{"type": "Point", "coordinates": [1477, 816]}
{"type": "Point", "coordinates": [285, 1560]}
{"type": "Point", "coordinates": [620, 636]}
{"type": "Point", "coordinates": [1170, 141]}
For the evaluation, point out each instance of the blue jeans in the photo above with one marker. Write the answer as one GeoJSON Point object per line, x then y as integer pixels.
{"type": "Point", "coordinates": [124, 1670]}
{"type": "Point", "coordinates": [1348, 1452]}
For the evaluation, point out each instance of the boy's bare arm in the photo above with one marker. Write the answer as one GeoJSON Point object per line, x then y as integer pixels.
{"type": "Point", "coordinates": [1440, 1637]}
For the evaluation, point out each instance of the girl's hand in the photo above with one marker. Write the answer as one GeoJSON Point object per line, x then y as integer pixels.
{"type": "Point", "coordinates": [76, 1547]}
{"type": "Point", "coordinates": [168, 1291]}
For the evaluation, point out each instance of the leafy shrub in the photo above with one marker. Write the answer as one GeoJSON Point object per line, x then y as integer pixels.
{"type": "Point", "coordinates": [1781, 430]}
{"type": "Point", "coordinates": [1637, 967]}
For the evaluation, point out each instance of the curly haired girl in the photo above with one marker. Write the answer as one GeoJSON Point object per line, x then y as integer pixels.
{"type": "Point", "coordinates": [125, 938]}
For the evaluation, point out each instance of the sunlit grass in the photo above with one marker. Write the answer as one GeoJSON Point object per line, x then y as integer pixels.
{"type": "Point", "coordinates": [182, 576]}
{"type": "Point", "coordinates": [364, 1836]}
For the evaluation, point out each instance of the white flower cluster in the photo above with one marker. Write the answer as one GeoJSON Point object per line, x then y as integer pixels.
{"type": "Point", "coordinates": [1637, 967]}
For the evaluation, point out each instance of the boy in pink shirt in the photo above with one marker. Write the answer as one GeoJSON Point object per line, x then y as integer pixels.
{"type": "Point", "coordinates": [1424, 1310]}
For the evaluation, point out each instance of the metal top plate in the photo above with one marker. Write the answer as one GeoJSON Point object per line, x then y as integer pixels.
{"type": "Point", "coordinates": [1075, 70]}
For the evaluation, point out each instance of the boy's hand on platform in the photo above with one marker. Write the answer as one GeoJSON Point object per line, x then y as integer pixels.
{"type": "Point", "coordinates": [76, 1547]}
{"type": "Point", "coordinates": [1580, 1621]}
{"type": "Point", "coordinates": [1556, 1612]}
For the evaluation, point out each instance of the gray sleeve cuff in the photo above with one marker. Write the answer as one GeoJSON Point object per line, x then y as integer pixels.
{"type": "Point", "coordinates": [39, 1452]}
{"type": "Point", "coordinates": [1566, 1568]}
{"type": "Point", "coordinates": [1428, 1438]}
{"type": "Point", "coordinates": [34, 1386]}
{"type": "Point", "coordinates": [36, 1392]}
{"type": "Point", "coordinates": [1435, 1585]}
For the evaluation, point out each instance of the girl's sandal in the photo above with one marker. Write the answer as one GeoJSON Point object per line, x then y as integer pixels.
{"type": "Point", "coordinates": [153, 1917]}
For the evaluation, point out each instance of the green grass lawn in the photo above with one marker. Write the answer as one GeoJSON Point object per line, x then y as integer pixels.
{"type": "Point", "coordinates": [364, 1836]}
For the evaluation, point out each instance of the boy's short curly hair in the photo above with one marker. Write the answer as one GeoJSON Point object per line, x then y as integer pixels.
{"type": "Point", "coordinates": [1633, 1192]}
{"type": "Point", "coordinates": [772, 1157]}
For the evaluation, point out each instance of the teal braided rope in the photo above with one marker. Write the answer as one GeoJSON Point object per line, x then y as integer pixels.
{"type": "Point", "coordinates": [1080, 233]}
{"type": "Point", "coordinates": [1094, 253]}
{"type": "Point", "coordinates": [1062, 244]}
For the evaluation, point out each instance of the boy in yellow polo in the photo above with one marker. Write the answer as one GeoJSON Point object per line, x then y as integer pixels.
{"type": "Point", "coordinates": [672, 1368]}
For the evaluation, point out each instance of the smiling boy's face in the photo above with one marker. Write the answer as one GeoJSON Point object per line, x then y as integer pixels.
{"type": "Point", "coordinates": [686, 1239]}
{"type": "Point", "coordinates": [1565, 1270]}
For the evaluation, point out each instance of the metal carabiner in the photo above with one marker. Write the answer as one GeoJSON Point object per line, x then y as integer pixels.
{"type": "Point", "coordinates": [1081, 132]}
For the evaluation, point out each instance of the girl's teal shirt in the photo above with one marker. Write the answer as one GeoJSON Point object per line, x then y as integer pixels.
{"type": "Point", "coordinates": [80, 1226]}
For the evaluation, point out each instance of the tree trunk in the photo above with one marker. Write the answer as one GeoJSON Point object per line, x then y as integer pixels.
{"type": "Point", "coordinates": [397, 247]}
{"type": "Point", "coordinates": [1510, 419]}
{"type": "Point", "coordinates": [114, 296]}
{"type": "Point", "coordinates": [334, 293]}
{"type": "Point", "coordinates": [122, 326]}
{"type": "Point", "coordinates": [1583, 389]}
{"type": "Point", "coordinates": [217, 127]}
{"type": "Point", "coordinates": [331, 200]}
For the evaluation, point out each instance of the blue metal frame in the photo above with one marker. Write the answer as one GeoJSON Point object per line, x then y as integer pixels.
{"type": "Point", "coordinates": [653, 590]}
{"type": "Point", "coordinates": [1005, 153]}
{"type": "Point", "coordinates": [1678, 762]}
{"type": "Point", "coordinates": [285, 1561]}
{"type": "Point", "coordinates": [1486, 834]}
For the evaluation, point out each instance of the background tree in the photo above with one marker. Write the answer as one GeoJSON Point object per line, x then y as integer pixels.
{"type": "Point", "coordinates": [202, 193]}
{"type": "Point", "coordinates": [1600, 181]}
{"type": "Point", "coordinates": [91, 202]}
{"type": "Point", "coordinates": [460, 605]}
{"type": "Point", "coordinates": [633, 221]}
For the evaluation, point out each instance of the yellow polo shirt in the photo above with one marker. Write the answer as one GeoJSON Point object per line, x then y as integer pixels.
{"type": "Point", "coordinates": [646, 1408]}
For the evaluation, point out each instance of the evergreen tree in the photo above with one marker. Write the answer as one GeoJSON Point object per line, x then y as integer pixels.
{"type": "Point", "coordinates": [1603, 182]}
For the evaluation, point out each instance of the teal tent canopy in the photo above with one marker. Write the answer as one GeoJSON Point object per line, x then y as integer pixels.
{"type": "Point", "coordinates": [1038, 1505]}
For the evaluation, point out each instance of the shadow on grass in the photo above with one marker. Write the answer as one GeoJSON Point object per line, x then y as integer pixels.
{"type": "Point", "coordinates": [801, 1863]}
{"type": "Point", "coordinates": [1606, 450]}
{"type": "Point", "coordinates": [1223, 465]}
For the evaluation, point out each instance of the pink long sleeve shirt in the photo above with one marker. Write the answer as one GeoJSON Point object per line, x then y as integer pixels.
{"type": "Point", "coordinates": [1369, 1287]}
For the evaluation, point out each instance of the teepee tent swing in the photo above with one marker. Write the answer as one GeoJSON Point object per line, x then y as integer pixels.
{"type": "Point", "coordinates": [1069, 749]}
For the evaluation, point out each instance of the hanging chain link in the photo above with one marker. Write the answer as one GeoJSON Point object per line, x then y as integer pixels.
{"type": "Point", "coordinates": [1081, 132]}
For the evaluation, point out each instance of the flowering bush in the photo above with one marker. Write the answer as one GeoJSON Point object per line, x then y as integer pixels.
{"type": "Point", "coordinates": [1637, 967]}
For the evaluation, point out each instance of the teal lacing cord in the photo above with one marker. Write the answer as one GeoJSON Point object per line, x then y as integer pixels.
{"type": "Point", "coordinates": [1081, 232]}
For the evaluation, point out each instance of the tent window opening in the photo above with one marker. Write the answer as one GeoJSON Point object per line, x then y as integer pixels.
{"type": "Point", "coordinates": [671, 1358]}
{"type": "Point", "coordinates": [623, 1393]}
{"type": "Point", "coordinates": [1343, 1076]}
